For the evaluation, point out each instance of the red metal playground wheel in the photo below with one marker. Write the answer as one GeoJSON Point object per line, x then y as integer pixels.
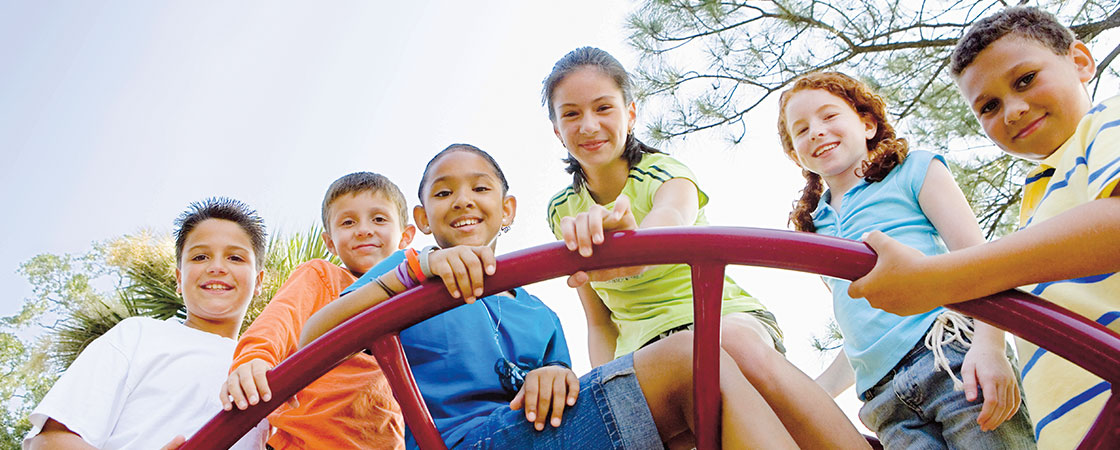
{"type": "Point", "coordinates": [708, 250]}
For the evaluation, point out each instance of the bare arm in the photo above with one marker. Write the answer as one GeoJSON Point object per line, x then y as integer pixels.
{"type": "Point", "coordinates": [1036, 254]}
{"type": "Point", "coordinates": [461, 268]}
{"type": "Point", "coordinates": [838, 377]}
{"type": "Point", "coordinates": [986, 366]}
{"type": "Point", "coordinates": [347, 306]}
{"type": "Point", "coordinates": [56, 436]}
{"type": "Point", "coordinates": [602, 334]}
{"type": "Point", "coordinates": [676, 203]}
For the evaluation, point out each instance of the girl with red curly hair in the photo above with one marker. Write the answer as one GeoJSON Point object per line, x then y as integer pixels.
{"type": "Point", "coordinates": [861, 177]}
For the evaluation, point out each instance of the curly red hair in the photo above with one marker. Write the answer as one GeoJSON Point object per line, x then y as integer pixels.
{"type": "Point", "coordinates": [885, 149]}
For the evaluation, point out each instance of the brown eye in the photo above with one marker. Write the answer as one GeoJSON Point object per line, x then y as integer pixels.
{"type": "Point", "coordinates": [988, 107]}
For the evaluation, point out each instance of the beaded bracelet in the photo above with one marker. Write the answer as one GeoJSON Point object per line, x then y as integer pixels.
{"type": "Point", "coordinates": [403, 276]}
{"type": "Point", "coordinates": [414, 263]}
{"type": "Point", "coordinates": [425, 254]}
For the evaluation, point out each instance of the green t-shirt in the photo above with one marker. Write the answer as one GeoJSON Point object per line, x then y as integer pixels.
{"type": "Point", "coordinates": [659, 299]}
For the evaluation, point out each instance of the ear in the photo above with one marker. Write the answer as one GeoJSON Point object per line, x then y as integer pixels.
{"type": "Point", "coordinates": [509, 210]}
{"type": "Point", "coordinates": [328, 242]}
{"type": "Point", "coordinates": [792, 155]}
{"type": "Point", "coordinates": [870, 126]}
{"type": "Point", "coordinates": [1083, 61]}
{"type": "Point", "coordinates": [421, 218]}
{"type": "Point", "coordinates": [178, 281]}
{"type": "Point", "coordinates": [632, 116]}
{"type": "Point", "coordinates": [556, 131]}
{"type": "Point", "coordinates": [260, 284]}
{"type": "Point", "coordinates": [406, 237]}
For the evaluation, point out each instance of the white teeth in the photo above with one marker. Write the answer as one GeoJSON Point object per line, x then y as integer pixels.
{"type": "Point", "coordinates": [465, 222]}
{"type": "Point", "coordinates": [826, 148]}
{"type": "Point", "coordinates": [215, 287]}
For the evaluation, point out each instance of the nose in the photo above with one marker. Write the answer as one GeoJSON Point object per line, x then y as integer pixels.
{"type": "Point", "coordinates": [365, 228]}
{"type": "Point", "coordinates": [1014, 109]}
{"type": "Point", "coordinates": [815, 132]}
{"type": "Point", "coordinates": [217, 266]}
{"type": "Point", "coordinates": [588, 124]}
{"type": "Point", "coordinates": [463, 199]}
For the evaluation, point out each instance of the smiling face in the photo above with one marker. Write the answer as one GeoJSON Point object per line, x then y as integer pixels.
{"type": "Point", "coordinates": [1027, 98]}
{"type": "Point", "coordinates": [364, 229]}
{"type": "Point", "coordinates": [217, 276]}
{"type": "Point", "coordinates": [463, 201]}
{"type": "Point", "coordinates": [592, 118]}
{"type": "Point", "coordinates": [829, 137]}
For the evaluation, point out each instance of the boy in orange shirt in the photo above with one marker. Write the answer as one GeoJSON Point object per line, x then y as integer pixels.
{"type": "Point", "coordinates": [352, 405]}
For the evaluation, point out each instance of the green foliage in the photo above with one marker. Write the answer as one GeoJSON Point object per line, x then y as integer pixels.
{"type": "Point", "coordinates": [706, 64]}
{"type": "Point", "coordinates": [68, 310]}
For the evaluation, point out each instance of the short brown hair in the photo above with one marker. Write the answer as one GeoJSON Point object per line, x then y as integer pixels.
{"type": "Point", "coordinates": [1027, 22]}
{"type": "Point", "coordinates": [364, 182]}
{"type": "Point", "coordinates": [225, 209]}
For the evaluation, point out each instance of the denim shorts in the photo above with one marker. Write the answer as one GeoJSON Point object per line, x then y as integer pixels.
{"type": "Point", "coordinates": [914, 407]}
{"type": "Point", "coordinates": [610, 413]}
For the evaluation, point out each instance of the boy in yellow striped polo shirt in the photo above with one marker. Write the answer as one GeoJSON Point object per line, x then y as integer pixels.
{"type": "Point", "coordinates": [1023, 74]}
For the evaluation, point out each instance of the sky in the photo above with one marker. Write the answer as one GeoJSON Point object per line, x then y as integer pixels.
{"type": "Point", "coordinates": [114, 116]}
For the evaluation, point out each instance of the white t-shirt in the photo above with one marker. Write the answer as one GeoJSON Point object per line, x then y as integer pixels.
{"type": "Point", "coordinates": [141, 384]}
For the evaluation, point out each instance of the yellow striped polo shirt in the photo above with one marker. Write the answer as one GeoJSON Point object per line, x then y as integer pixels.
{"type": "Point", "coordinates": [1064, 399]}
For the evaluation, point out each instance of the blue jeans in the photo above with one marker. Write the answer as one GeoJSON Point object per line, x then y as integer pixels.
{"type": "Point", "coordinates": [610, 413]}
{"type": "Point", "coordinates": [914, 407]}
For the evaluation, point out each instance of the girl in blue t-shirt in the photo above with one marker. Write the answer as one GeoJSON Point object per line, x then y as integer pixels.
{"type": "Point", "coordinates": [479, 364]}
{"type": "Point", "coordinates": [835, 128]}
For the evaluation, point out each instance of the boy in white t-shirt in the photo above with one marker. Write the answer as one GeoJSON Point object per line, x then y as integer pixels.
{"type": "Point", "coordinates": [147, 383]}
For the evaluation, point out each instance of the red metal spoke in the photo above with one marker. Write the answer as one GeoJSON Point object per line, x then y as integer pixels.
{"type": "Point", "coordinates": [707, 291]}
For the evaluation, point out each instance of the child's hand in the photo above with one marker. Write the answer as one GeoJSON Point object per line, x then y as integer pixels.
{"type": "Point", "coordinates": [462, 268]}
{"type": "Point", "coordinates": [557, 386]}
{"type": "Point", "coordinates": [248, 385]}
{"type": "Point", "coordinates": [900, 272]}
{"type": "Point", "coordinates": [987, 367]}
{"type": "Point", "coordinates": [585, 230]}
{"type": "Point", "coordinates": [175, 443]}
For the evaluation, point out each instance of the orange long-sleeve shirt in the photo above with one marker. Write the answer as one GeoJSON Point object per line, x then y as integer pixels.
{"type": "Point", "coordinates": [351, 406]}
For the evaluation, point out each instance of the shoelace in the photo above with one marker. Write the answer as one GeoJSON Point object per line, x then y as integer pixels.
{"type": "Point", "coordinates": [950, 326]}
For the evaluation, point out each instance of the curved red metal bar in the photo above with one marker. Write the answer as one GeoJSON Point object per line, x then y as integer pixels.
{"type": "Point", "coordinates": [707, 250]}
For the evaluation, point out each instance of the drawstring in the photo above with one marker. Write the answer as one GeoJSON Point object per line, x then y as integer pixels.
{"type": "Point", "coordinates": [950, 326]}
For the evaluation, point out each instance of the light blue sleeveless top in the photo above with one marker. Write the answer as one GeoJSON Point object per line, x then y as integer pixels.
{"type": "Point", "coordinates": [876, 340]}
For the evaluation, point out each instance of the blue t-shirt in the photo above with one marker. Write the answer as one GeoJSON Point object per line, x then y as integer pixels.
{"type": "Point", "coordinates": [453, 354]}
{"type": "Point", "coordinates": [876, 340]}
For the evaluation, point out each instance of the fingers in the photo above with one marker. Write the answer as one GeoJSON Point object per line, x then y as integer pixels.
{"type": "Point", "coordinates": [876, 240]}
{"type": "Point", "coordinates": [558, 397]}
{"type": "Point", "coordinates": [518, 400]}
{"type": "Point", "coordinates": [573, 387]}
{"type": "Point", "coordinates": [544, 399]}
{"type": "Point", "coordinates": [583, 232]}
{"type": "Point", "coordinates": [578, 279]}
{"type": "Point", "coordinates": [246, 385]}
{"type": "Point", "coordinates": [968, 373]}
{"type": "Point", "coordinates": [568, 232]}
{"type": "Point", "coordinates": [620, 217]}
{"type": "Point", "coordinates": [531, 390]}
{"type": "Point", "coordinates": [463, 270]}
{"type": "Point", "coordinates": [224, 396]}
{"type": "Point", "coordinates": [261, 379]}
{"type": "Point", "coordinates": [175, 443]}
{"type": "Point", "coordinates": [486, 257]}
